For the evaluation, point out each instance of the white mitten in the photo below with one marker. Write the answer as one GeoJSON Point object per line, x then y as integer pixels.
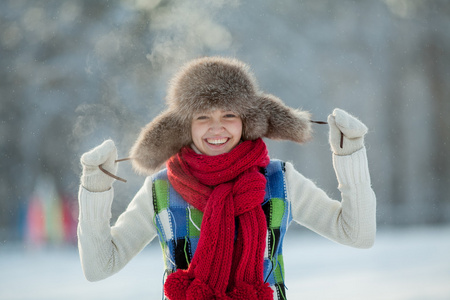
{"type": "Point", "coordinates": [93, 179]}
{"type": "Point", "coordinates": [350, 128]}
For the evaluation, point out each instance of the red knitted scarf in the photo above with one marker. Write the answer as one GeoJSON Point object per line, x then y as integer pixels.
{"type": "Point", "coordinates": [223, 187]}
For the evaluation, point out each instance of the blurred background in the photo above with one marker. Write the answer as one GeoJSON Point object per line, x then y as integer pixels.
{"type": "Point", "coordinates": [74, 73]}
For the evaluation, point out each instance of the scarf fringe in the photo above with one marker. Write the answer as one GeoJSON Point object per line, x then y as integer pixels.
{"type": "Point", "coordinates": [181, 286]}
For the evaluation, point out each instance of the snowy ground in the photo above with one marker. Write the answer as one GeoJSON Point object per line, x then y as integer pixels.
{"type": "Point", "coordinates": [404, 264]}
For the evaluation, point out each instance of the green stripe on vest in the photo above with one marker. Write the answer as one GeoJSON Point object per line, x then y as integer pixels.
{"type": "Point", "coordinates": [194, 222]}
{"type": "Point", "coordinates": [277, 210]}
{"type": "Point", "coordinates": [162, 195]}
{"type": "Point", "coordinates": [279, 271]}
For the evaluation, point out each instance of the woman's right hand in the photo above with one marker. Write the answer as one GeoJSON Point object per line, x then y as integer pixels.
{"type": "Point", "coordinates": [93, 179]}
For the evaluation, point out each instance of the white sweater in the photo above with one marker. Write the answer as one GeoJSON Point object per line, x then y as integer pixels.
{"type": "Point", "coordinates": [104, 250]}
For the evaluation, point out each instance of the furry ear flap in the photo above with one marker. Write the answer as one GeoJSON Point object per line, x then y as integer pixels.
{"type": "Point", "coordinates": [158, 141]}
{"type": "Point", "coordinates": [283, 122]}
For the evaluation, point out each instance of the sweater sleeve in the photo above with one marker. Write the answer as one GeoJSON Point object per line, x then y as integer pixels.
{"type": "Point", "coordinates": [350, 221]}
{"type": "Point", "coordinates": [104, 250]}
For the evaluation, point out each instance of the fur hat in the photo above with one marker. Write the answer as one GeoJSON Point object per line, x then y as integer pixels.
{"type": "Point", "coordinates": [210, 83]}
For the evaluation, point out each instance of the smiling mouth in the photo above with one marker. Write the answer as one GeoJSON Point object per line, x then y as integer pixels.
{"type": "Point", "coordinates": [217, 141]}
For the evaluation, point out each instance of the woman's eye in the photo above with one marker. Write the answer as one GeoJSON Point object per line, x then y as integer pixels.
{"type": "Point", "coordinates": [201, 118]}
{"type": "Point", "coordinates": [230, 116]}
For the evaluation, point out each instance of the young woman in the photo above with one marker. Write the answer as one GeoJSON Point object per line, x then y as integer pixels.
{"type": "Point", "coordinates": [221, 207]}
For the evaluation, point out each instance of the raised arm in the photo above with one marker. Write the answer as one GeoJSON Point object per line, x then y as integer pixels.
{"type": "Point", "coordinates": [352, 220]}
{"type": "Point", "coordinates": [104, 250]}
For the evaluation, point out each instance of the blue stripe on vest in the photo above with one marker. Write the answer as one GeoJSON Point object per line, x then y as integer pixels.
{"type": "Point", "coordinates": [178, 223]}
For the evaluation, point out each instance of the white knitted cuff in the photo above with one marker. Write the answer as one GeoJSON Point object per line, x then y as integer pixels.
{"type": "Point", "coordinates": [95, 206]}
{"type": "Point", "coordinates": [352, 169]}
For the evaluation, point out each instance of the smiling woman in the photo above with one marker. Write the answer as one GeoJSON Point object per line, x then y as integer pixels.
{"type": "Point", "coordinates": [221, 207]}
{"type": "Point", "coordinates": [216, 132]}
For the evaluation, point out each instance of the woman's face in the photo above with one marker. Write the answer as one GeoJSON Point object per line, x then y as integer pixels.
{"type": "Point", "coordinates": [216, 132]}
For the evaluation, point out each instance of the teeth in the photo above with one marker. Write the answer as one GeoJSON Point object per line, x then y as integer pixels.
{"type": "Point", "coordinates": [217, 141]}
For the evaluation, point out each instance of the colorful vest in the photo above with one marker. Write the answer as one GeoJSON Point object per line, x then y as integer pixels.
{"type": "Point", "coordinates": [179, 225]}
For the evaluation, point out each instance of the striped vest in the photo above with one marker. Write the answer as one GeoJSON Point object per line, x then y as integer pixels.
{"type": "Point", "coordinates": [179, 225]}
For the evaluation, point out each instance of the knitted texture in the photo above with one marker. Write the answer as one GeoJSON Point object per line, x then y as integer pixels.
{"type": "Point", "coordinates": [93, 179]}
{"type": "Point", "coordinates": [351, 129]}
{"type": "Point", "coordinates": [223, 187]}
{"type": "Point", "coordinates": [179, 225]}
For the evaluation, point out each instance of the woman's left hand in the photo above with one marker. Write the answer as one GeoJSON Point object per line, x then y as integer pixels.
{"type": "Point", "coordinates": [346, 132]}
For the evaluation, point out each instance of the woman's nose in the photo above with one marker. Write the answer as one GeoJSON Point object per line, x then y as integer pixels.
{"type": "Point", "coordinates": [216, 126]}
